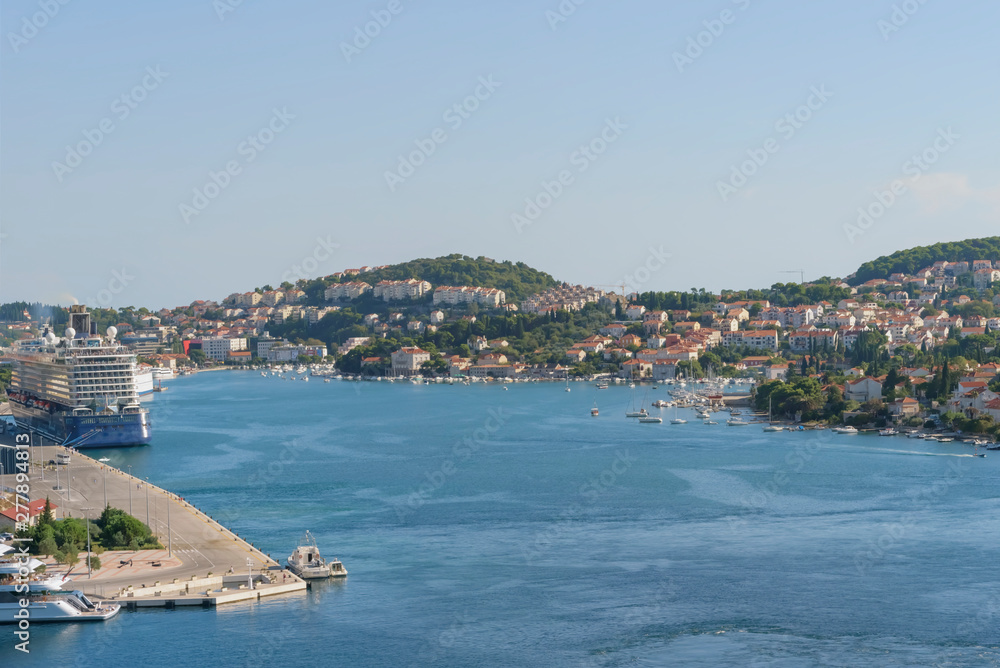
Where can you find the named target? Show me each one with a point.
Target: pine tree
(945, 384)
(46, 517)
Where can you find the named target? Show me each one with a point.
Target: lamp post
(87, 510)
(147, 500)
(250, 573)
(169, 537)
(129, 489)
(105, 460)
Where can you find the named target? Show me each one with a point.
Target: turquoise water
(484, 527)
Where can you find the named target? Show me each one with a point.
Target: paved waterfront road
(201, 544)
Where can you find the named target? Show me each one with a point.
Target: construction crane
(800, 272)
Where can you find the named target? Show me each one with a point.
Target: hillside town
(885, 341)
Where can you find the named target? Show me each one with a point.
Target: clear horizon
(203, 148)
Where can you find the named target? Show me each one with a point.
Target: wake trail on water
(911, 452)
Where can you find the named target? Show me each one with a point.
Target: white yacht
(45, 601)
(845, 430)
(307, 563)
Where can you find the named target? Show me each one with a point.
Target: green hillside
(518, 280)
(912, 259)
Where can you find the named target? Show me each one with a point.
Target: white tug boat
(307, 563)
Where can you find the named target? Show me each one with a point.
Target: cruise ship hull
(85, 431)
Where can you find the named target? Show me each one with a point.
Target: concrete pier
(202, 563)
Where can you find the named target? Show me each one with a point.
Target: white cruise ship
(79, 390)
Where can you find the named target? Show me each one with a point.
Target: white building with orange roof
(407, 360)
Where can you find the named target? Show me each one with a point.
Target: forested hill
(913, 259)
(518, 280)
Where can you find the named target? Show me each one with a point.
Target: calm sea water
(484, 527)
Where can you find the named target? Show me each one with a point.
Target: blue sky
(203, 81)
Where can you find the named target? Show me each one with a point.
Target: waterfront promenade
(209, 561)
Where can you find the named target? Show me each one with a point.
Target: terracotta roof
(34, 508)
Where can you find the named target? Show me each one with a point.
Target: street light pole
(41, 452)
(147, 500)
(87, 510)
(129, 489)
(169, 537)
(104, 461)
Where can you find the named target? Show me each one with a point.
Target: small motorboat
(650, 420)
